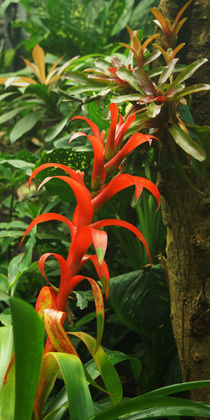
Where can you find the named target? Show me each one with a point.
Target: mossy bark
(187, 217)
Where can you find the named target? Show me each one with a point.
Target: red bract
(109, 156)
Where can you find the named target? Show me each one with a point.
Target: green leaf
(128, 76)
(104, 365)
(132, 295)
(124, 17)
(25, 124)
(114, 357)
(152, 407)
(189, 145)
(56, 130)
(6, 349)
(188, 72)
(153, 110)
(28, 342)
(7, 395)
(80, 402)
(200, 87)
(9, 115)
(127, 98)
(19, 164)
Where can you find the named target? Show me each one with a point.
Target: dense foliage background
(35, 127)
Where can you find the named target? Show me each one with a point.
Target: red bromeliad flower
(108, 156)
(52, 302)
(84, 232)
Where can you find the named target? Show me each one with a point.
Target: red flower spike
(77, 176)
(134, 141)
(45, 218)
(102, 271)
(99, 304)
(46, 300)
(84, 210)
(127, 225)
(121, 181)
(53, 322)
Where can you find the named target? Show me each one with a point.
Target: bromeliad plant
(156, 94)
(29, 390)
(35, 99)
(52, 302)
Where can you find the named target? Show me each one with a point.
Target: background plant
(95, 106)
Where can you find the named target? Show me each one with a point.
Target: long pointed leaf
(28, 342)
(107, 370)
(189, 145)
(80, 401)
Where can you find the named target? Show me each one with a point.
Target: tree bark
(187, 218)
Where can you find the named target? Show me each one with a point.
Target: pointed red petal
(98, 173)
(102, 271)
(64, 270)
(84, 211)
(78, 176)
(121, 181)
(129, 226)
(53, 321)
(93, 126)
(46, 300)
(134, 141)
(99, 304)
(45, 218)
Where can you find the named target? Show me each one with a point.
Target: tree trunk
(187, 217)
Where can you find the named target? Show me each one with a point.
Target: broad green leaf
(188, 72)
(140, 292)
(191, 89)
(6, 349)
(25, 124)
(4, 284)
(114, 357)
(127, 98)
(144, 81)
(180, 387)
(5, 4)
(38, 90)
(9, 115)
(7, 395)
(154, 407)
(5, 95)
(56, 130)
(14, 225)
(128, 76)
(104, 365)
(153, 110)
(167, 72)
(57, 413)
(19, 164)
(4, 296)
(124, 17)
(28, 342)
(14, 268)
(80, 402)
(11, 234)
(189, 145)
